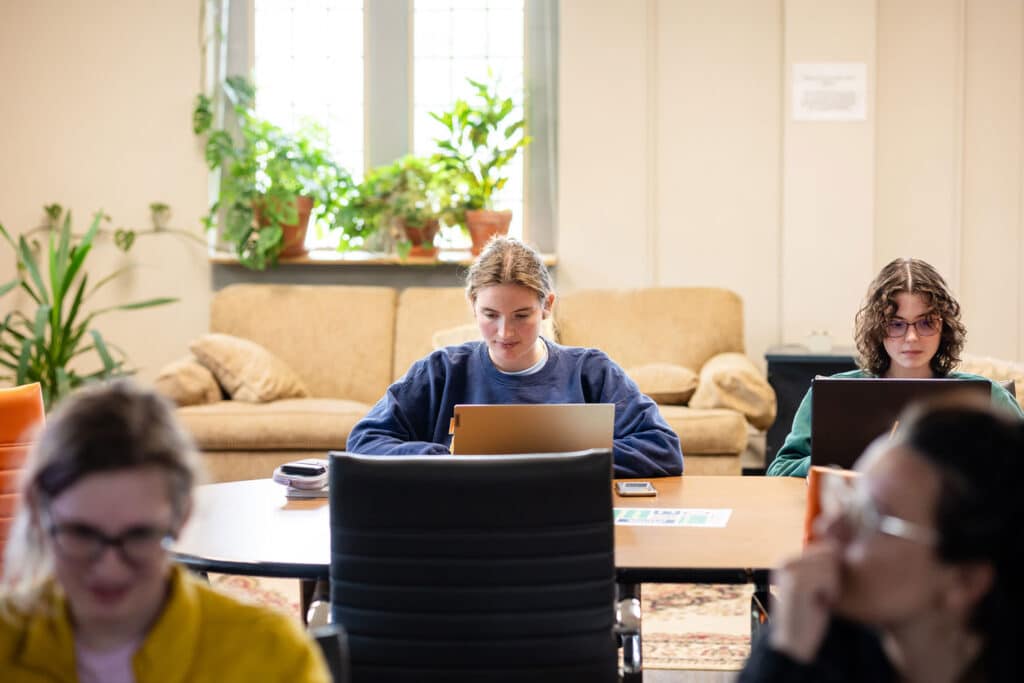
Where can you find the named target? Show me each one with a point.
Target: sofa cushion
(246, 370)
(665, 383)
(338, 339)
(289, 424)
(712, 431)
(730, 380)
(681, 325)
(422, 311)
(187, 382)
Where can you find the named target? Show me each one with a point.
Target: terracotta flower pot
(422, 237)
(483, 224)
(293, 239)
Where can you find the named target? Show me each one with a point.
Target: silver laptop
(847, 413)
(532, 428)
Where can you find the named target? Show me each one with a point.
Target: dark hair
(912, 276)
(506, 260)
(978, 453)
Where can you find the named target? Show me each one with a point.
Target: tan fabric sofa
(347, 344)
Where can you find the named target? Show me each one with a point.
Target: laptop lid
(532, 428)
(847, 413)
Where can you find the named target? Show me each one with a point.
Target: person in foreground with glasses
(89, 592)
(914, 573)
(908, 327)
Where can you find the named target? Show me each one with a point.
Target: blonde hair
(506, 260)
(103, 428)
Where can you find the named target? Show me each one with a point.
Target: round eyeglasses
(137, 546)
(845, 499)
(924, 327)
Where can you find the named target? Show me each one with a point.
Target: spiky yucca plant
(40, 346)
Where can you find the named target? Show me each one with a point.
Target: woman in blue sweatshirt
(510, 291)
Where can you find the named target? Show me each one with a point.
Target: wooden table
(250, 527)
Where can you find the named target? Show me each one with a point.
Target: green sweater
(794, 458)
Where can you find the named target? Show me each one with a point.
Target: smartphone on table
(302, 474)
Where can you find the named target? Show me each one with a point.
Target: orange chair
(21, 411)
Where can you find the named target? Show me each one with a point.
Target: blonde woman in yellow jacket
(89, 592)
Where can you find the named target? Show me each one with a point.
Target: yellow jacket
(201, 636)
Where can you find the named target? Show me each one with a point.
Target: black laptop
(847, 413)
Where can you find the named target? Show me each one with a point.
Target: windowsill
(330, 257)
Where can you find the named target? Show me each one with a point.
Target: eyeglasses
(925, 327)
(137, 546)
(844, 499)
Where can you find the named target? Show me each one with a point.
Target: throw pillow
(246, 370)
(665, 383)
(188, 383)
(453, 336)
(998, 370)
(730, 380)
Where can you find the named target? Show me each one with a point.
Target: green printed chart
(700, 517)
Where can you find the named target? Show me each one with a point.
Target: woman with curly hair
(908, 327)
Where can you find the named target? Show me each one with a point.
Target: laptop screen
(848, 413)
(532, 428)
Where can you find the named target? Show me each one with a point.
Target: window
(372, 71)
(453, 41)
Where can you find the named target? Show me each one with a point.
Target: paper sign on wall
(830, 91)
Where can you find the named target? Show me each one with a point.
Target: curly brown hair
(913, 276)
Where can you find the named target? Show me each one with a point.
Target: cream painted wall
(676, 130)
(95, 102)
(679, 163)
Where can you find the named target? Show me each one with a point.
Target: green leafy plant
(412, 191)
(266, 169)
(42, 346)
(480, 144)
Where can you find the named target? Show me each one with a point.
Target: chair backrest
(21, 410)
(491, 568)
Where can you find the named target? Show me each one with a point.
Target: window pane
(456, 39)
(309, 64)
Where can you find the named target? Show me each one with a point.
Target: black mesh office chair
(487, 568)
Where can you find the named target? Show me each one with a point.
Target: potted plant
(480, 144)
(272, 182)
(409, 198)
(49, 345)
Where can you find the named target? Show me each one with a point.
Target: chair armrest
(333, 642)
(627, 628)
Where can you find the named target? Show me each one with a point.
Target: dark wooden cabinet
(790, 370)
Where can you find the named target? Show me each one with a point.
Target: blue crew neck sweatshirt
(414, 414)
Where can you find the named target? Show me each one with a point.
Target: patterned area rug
(685, 626)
